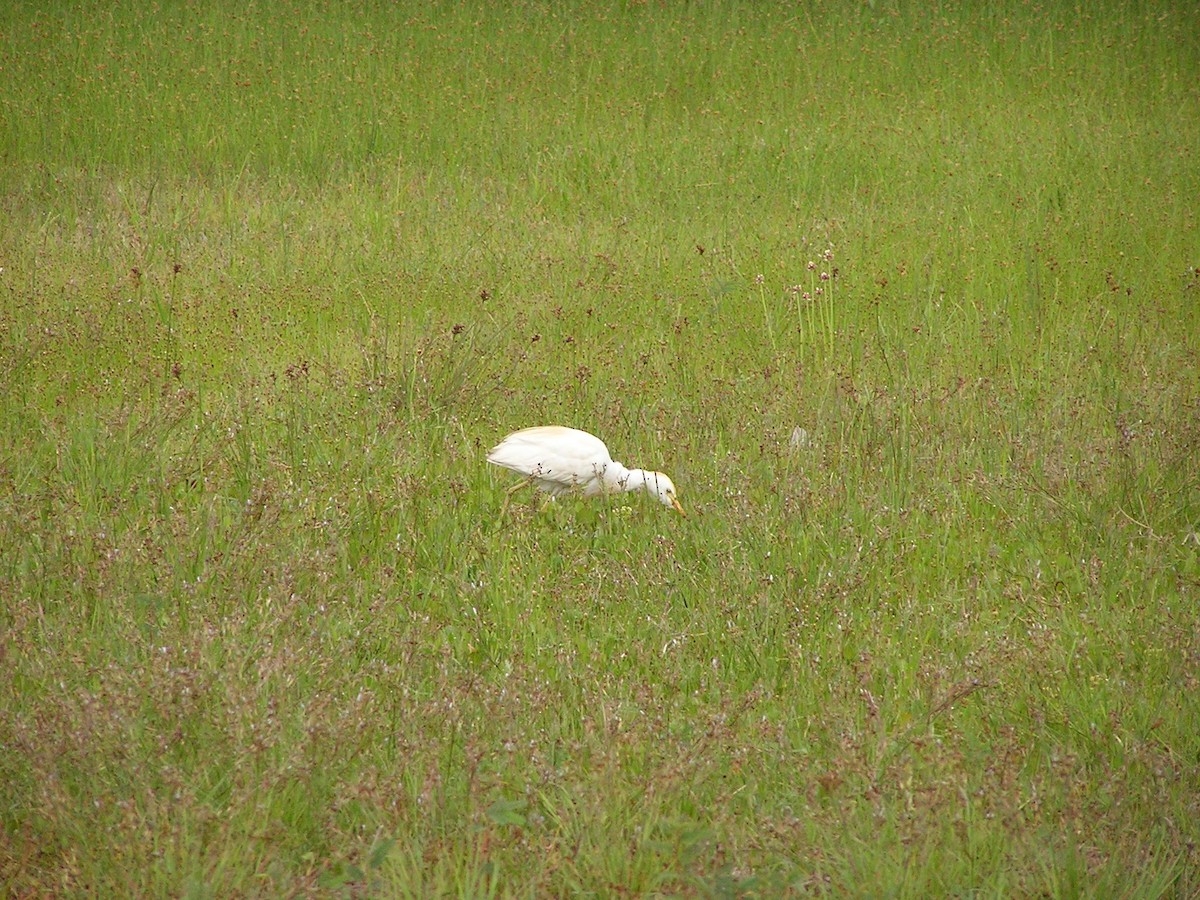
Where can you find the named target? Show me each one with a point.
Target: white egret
(561, 460)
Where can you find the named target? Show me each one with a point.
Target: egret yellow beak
(678, 508)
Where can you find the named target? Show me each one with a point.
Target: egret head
(660, 486)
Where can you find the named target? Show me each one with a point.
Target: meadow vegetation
(905, 298)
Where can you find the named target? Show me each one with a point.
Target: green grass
(273, 282)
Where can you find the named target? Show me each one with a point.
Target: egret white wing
(558, 459)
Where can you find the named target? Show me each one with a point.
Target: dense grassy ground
(274, 281)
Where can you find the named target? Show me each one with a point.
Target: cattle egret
(561, 460)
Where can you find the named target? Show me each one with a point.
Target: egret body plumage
(561, 460)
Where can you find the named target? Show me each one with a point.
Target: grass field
(905, 298)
